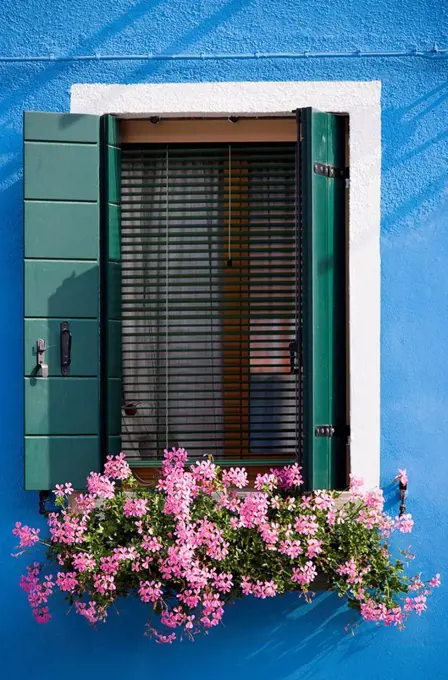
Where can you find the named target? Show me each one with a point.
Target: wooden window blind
(210, 301)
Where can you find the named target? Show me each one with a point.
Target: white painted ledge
(361, 100)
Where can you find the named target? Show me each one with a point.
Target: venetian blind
(210, 300)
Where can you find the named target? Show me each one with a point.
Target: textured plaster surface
(362, 103)
(282, 639)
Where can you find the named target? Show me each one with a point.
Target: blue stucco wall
(281, 639)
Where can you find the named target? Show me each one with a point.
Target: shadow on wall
(295, 636)
(402, 157)
(38, 75)
(274, 639)
(33, 79)
(146, 70)
(280, 639)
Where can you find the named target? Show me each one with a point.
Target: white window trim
(361, 100)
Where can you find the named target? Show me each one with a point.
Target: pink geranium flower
(135, 507)
(404, 523)
(195, 541)
(435, 581)
(28, 536)
(402, 477)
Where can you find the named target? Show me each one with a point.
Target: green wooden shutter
(322, 209)
(63, 281)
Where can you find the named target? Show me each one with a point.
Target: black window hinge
(331, 431)
(324, 431)
(331, 171)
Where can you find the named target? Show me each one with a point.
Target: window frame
(361, 101)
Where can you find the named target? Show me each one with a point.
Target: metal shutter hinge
(330, 171)
(324, 431)
(332, 431)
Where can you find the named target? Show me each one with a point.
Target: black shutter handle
(66, 348)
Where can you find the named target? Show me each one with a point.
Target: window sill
(147, 472)
(147, 476)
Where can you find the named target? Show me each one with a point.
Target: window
(210, 301)
(220, 322)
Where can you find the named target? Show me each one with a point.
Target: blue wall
(281, 639)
